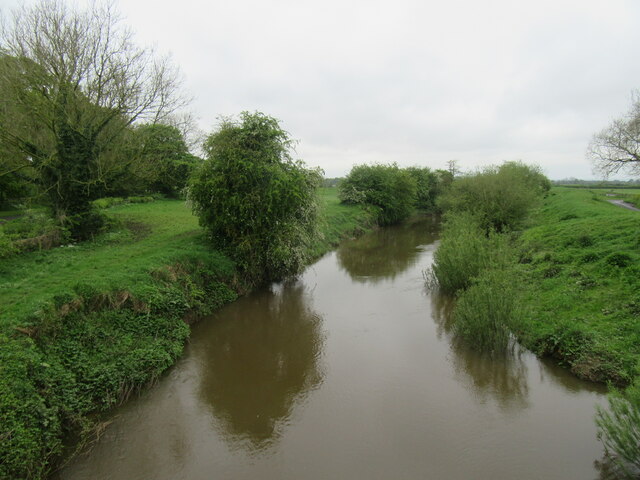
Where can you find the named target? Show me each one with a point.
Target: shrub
(30, 424)
(145, 199)
(619, 428)
(31, 224)
(6, 246)
(108, 202)
(391, 190)
(501, 197)
(258, 205)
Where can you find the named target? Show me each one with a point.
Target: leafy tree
(163, 156)
(72, 82)
(501, 197)
(258, 205)
(617, 147)
(426, 187)
(391, 190)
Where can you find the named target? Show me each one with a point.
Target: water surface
(351, 372)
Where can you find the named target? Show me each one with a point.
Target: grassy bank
(580, 271)
(84, 326)
(570, 273)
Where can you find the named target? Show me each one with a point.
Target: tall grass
(619, 429)
(487, 311)
(465, 251)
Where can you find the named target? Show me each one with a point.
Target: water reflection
(261, 358)
(384, 254)
(501, 378)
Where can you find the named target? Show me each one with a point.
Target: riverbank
(579, 270)
(84, 326)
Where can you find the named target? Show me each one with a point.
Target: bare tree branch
(617, 147)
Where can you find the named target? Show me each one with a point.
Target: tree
(391, 190)
(258, 205)
(617, 147)
(163, 155)
(452, 167)
(72, 83)
(426, 187)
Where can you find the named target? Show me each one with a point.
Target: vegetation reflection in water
(501, 377)
(386, 253)
(261, 360)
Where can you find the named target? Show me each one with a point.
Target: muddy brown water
(351, 372)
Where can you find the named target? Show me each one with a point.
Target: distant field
(624, 191)
(603, 187)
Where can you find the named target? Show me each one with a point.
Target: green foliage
(32, 230)
(487, 311)
(391, 190)
(619, 428)
(6, 246)
(14, 187)
(257, 204)
(162, 160)
(30, 427)
(108, 202)
(31, 224)
(427, 187)
(501, 197)
(465, 251)
(72, 83)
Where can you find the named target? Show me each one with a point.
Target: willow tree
(71, 82)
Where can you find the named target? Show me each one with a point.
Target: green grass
(153, 234)
(83, 326)
(580, 266)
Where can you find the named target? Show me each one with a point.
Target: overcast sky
(412, 82)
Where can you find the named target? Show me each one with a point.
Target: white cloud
(407, 80)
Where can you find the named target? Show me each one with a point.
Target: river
(350, 372)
